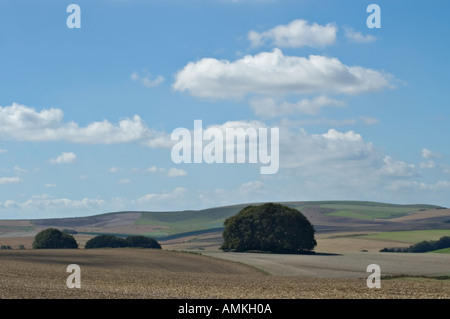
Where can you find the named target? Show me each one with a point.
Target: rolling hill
(326, 216)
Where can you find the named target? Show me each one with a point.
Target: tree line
(423, 246)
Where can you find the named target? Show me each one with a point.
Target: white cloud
(268, 107)
(269, 73)
(319, 121)
(154, 169)
(251, 188)
(429, 165)
(177, 193)
(9, 180)
(114, 169)
(297, 33)
(64, 158)
(176, 172)
(358, 37)
(23, 123)
(334, 158)
(2, 151)
(369, 120)
(49, 185)
(421, 186)
(145, 80)
(159, 140)
(19, 170)
(397, 168)
(426, 153)
(45, 202)
(124, 181)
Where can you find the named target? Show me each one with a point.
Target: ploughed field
(145, 273)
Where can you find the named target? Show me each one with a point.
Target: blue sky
(86, 114)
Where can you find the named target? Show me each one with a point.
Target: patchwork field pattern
(349, 237)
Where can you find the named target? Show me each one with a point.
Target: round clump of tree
(111, 241)
(142, 242)
(105, 241)
(269, 227)
(53, 238)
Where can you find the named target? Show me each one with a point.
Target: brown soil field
(342, 242)
(139, 273)
(437, 213)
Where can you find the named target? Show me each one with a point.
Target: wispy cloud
(426, 153)
(154, 169)
(145, 79)
(296, 34)
(358, 37)
(10, 180)
(114, 169)
(268, 107)
(64, 158)
(176, 172)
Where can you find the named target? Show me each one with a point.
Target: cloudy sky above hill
(86, 114)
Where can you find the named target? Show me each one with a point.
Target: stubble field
(138, 273)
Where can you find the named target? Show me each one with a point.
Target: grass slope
(413, 236)
(441, 251)
(372, 210)
(180, 222)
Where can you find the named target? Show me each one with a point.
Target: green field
(441, 251)
(371, 210)
(411, 236)
(186, 221)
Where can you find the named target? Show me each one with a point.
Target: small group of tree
(111, 241)
(52, 238)
(269, 227)
(423, 246)
(9, 247)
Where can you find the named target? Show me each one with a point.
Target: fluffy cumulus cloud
(64, 158)
(22, 123)
(296, 34)
(275, 73)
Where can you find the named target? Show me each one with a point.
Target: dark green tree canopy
(269, 227)
(111, 241)
(143, 242)
(53, 238)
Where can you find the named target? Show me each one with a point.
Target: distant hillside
(326, 216)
